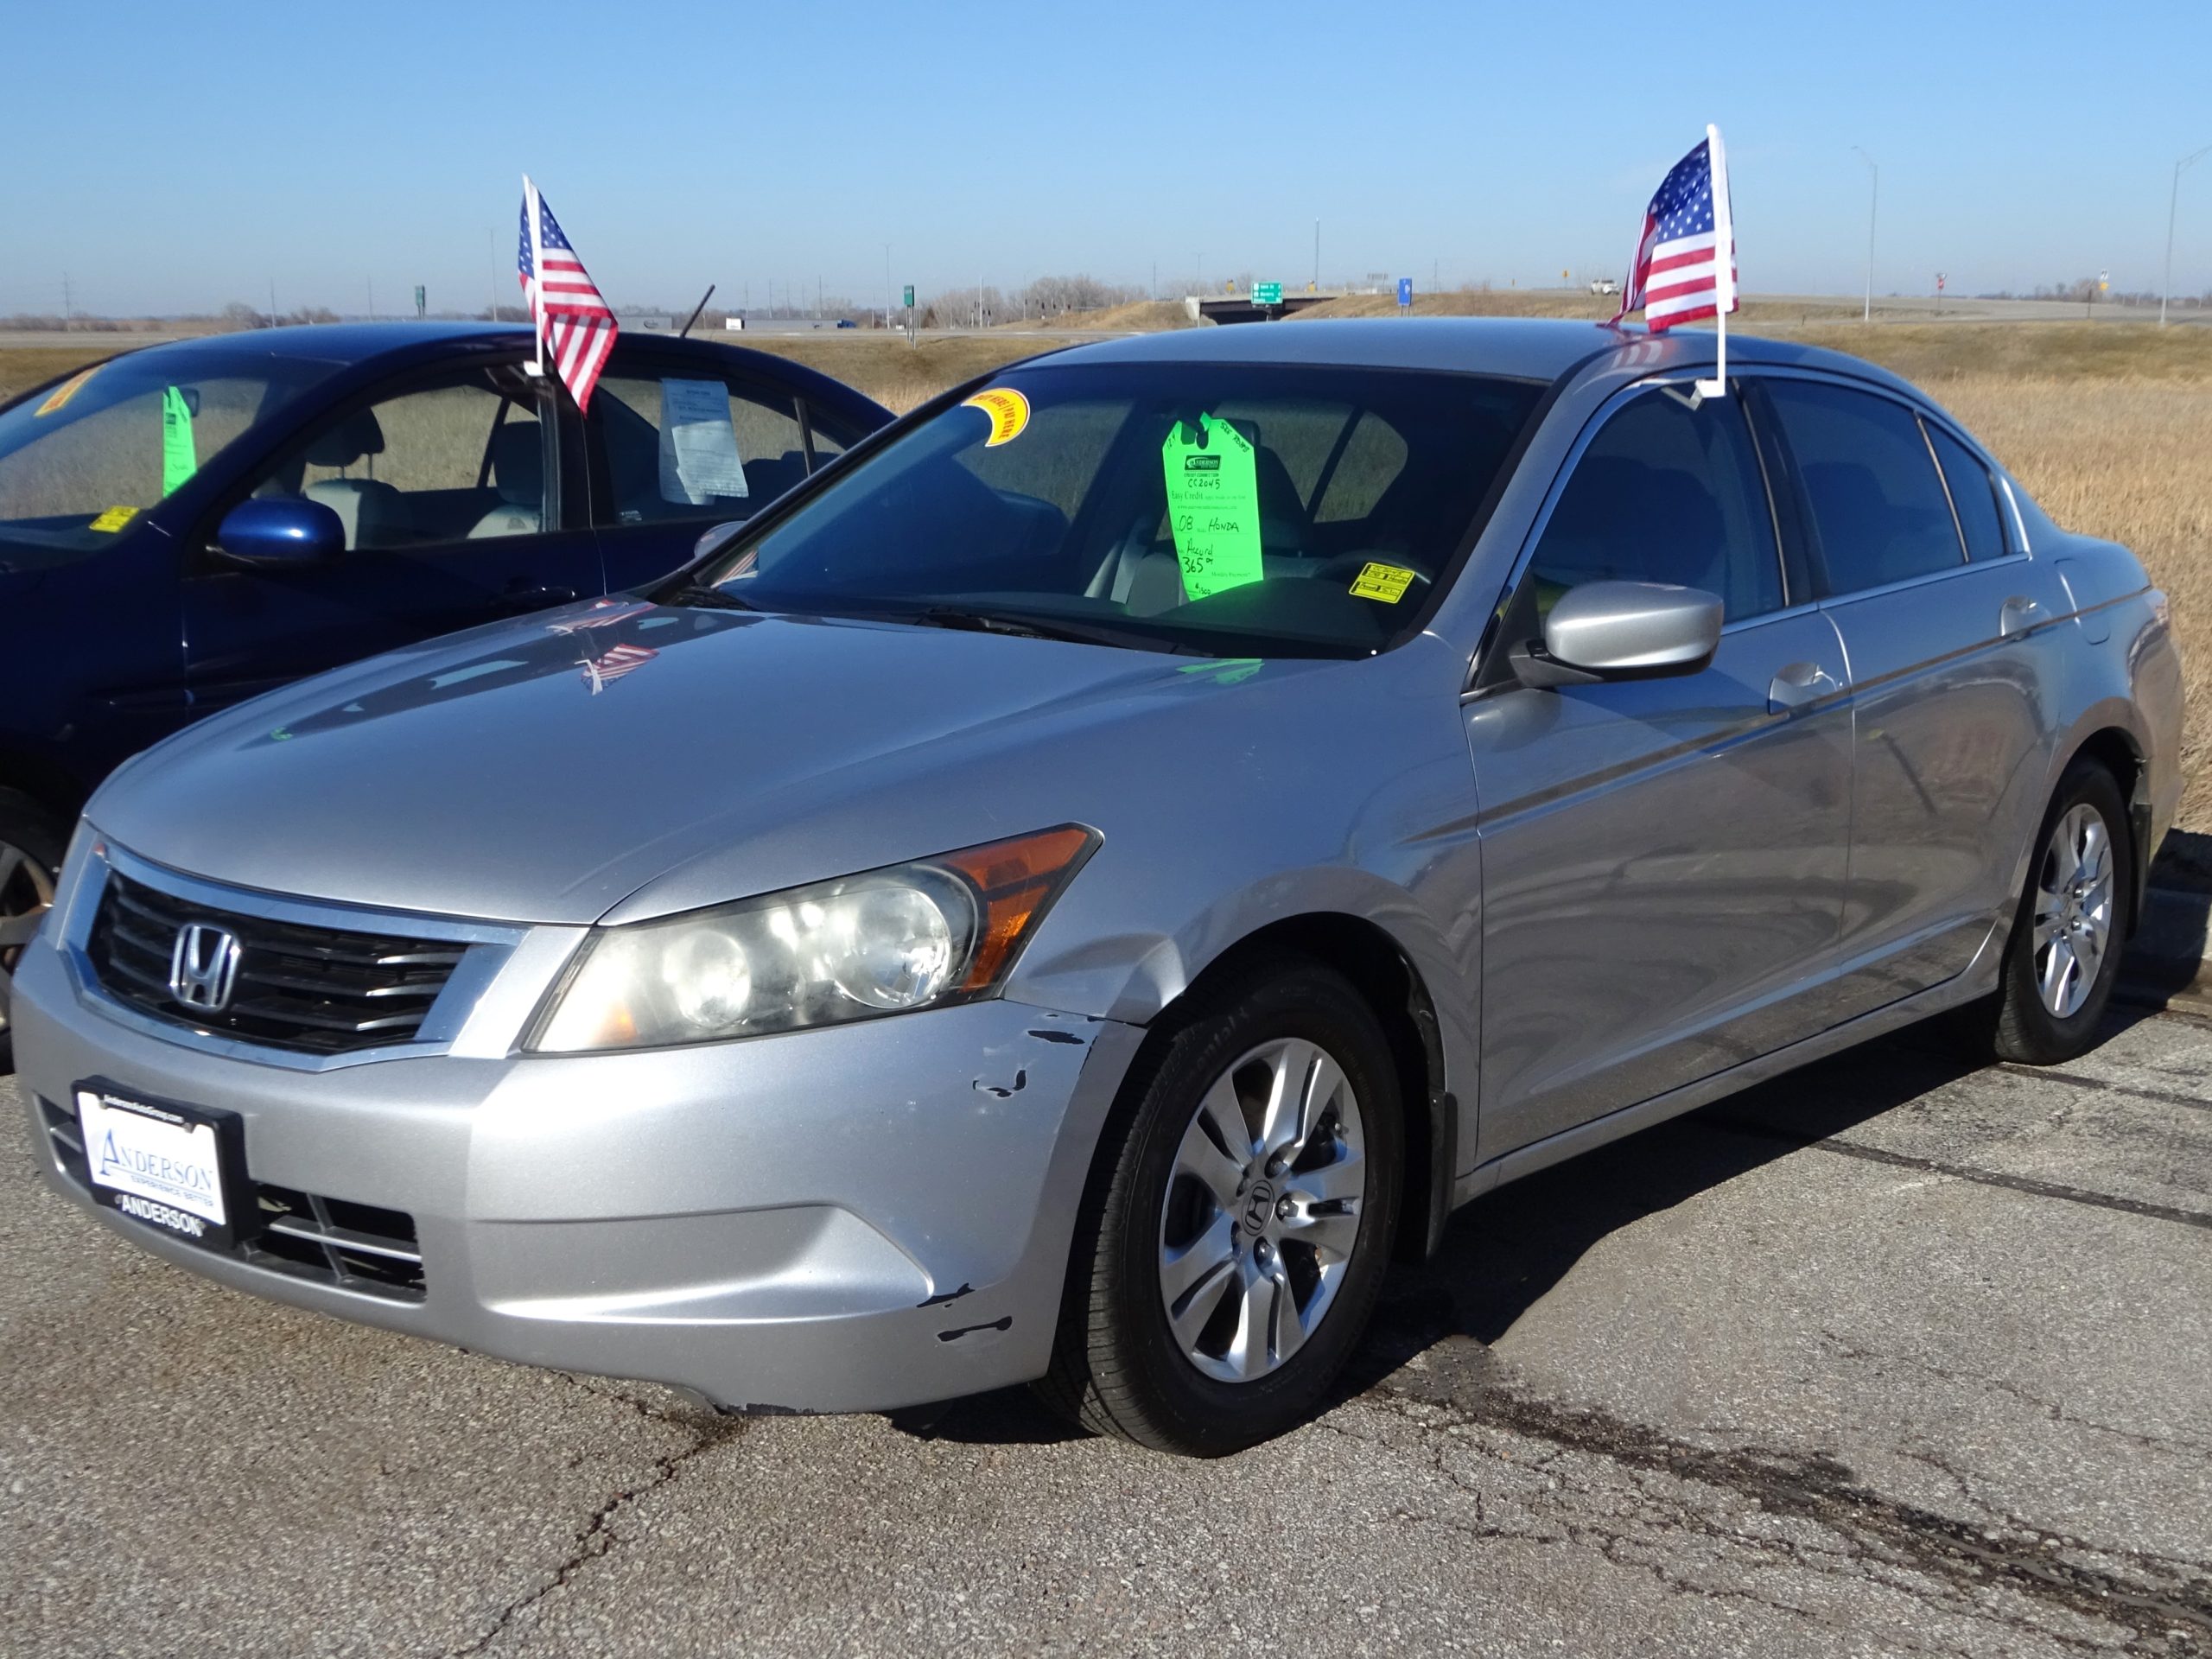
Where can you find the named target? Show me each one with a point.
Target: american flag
(1676, 276)
(612, 664)
(573, 318)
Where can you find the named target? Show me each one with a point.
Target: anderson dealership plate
(168, 1167)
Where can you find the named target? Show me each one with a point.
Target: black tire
(1117, 1368)
(2017, 1023)
(28, 828)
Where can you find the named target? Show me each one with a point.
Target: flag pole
(536, 273)
(1724, 261)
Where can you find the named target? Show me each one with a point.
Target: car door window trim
(1481, 675)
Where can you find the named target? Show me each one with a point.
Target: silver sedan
(1074, 891)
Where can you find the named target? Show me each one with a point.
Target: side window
(831, 436)
(1666, 493)
(458, 461)
(1880, 512)
(684, 445)
(1974, 495)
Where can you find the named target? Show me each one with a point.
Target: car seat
(372, 513)
(519, 474)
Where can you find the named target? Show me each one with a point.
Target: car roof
(1541, 348)
(351, 345)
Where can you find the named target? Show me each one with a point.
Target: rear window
(1229, 509)
(82, 458)
(1879, 510)
(1973, 494)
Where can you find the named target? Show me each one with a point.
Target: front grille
(356, 1246)
(314, 990)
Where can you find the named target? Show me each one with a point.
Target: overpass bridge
(1239, 308)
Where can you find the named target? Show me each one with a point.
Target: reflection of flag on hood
(604, 613)
(614, 664)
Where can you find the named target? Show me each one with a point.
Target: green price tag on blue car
(179, 461)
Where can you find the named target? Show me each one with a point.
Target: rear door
(680, 444)
(1663, 859)
(461, 503)
(1951, 742)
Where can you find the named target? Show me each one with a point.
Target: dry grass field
(2109, 425)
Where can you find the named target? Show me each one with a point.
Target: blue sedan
(188, 525)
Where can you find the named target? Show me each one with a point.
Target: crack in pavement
(2026, 1184)
(2055, 1409)
(2177, 1616)
(2164, 1097)
(597, 1538)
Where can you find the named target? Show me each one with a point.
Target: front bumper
(853, 1218)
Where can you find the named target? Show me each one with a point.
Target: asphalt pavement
(1893, 1355)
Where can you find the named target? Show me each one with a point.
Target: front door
(451, 495)
(1663, 859)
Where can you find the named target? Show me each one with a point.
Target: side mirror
(281, 530)
(1623, 631)
(716, 537)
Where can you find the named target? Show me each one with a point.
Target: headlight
(914, 935)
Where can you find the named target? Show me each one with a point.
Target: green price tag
(1213, 506)
(179, 460)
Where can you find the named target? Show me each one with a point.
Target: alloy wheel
(2074, 909)
(26, 894)
(1262, 1211)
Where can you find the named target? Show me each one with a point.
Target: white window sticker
(699, 461)
(151, 1154)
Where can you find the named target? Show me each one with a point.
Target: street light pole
(2173, 202)
(886, 287)
(1873, 201)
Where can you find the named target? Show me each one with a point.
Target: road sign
(1939, 281)
(1405, 291)
(422, 300)
(910, 297)
(1267, 293)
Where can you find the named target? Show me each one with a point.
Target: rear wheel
(31, 856)
(2072, 926)
(1235, 1236)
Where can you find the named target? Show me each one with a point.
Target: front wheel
(30, 853)
(1233, 1239)
(2065, 948)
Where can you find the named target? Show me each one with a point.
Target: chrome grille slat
(307, 989)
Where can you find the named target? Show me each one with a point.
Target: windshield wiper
(1026, 626)
(707, 598)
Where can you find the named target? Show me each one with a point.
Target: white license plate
(160, 1165)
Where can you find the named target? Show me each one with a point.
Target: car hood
(546, 770)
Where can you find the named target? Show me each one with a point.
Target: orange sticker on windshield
(68, 388)
(114, 518)
(1009, 413)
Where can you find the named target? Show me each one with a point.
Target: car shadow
(1504, 1252)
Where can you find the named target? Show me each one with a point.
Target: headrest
(519, 463)
(355, 436)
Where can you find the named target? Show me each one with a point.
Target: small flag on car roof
(573, 319)
(1685, 264)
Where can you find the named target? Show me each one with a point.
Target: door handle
(2018, 616)
(1798, 685)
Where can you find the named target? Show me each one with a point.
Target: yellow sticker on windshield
(1009, 413)
(114, 518)
(1387, 582)
(68, 388)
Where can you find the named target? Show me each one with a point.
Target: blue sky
(171, 157)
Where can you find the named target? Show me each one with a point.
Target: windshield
(81, 459)
(1222, 510)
